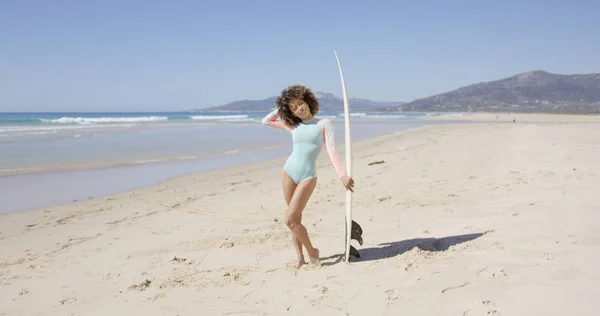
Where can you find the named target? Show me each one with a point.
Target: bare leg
(288, 191)
(294, 216)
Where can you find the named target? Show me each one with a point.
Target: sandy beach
(494, 218)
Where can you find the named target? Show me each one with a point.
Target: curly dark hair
(291, 93)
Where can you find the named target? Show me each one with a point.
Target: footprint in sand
(111, 276)
(381, 199)
(548, 256)
(23, 292)
(493, 273)
(321, 289)
(68, 300)
(392, 295)
(142, 286)
(157, 296)
(483, 308)
(319, 294)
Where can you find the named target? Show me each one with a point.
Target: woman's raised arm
(271, 120)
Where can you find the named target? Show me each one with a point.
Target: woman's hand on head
(348, 183)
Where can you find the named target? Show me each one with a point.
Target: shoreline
(472, 217)
(112, 170)
(124, 164)
(276, 164)
(149, 173)
(105, 181)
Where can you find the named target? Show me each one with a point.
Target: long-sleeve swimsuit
(308, 138)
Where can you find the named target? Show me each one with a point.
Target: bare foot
(314, 259)
(300, 262)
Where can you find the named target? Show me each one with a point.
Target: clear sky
(110, 55)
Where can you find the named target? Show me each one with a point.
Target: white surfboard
(352, 229)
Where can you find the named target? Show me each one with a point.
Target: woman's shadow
(396, 248)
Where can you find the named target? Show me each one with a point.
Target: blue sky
(176, 55)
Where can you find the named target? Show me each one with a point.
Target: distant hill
(534, 91)
(328, 103)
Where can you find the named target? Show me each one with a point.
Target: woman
(296, 107)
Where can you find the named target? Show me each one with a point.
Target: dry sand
(519, 118)
(462, 219)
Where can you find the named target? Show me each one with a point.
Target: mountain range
(533, 91)
(327, 103)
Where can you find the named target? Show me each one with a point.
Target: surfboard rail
(352, 228)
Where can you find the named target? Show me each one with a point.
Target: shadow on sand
(396, 248)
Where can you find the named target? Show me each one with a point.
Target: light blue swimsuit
(308, 138)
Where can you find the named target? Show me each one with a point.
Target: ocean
(54, 158)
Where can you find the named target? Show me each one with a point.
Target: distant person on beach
(296, 107)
